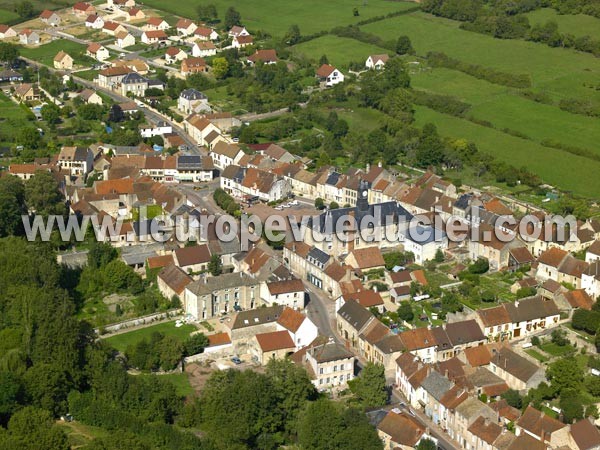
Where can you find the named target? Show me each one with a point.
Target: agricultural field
(577, 25)
(275, 18)
(548, 67)
(46, 53)
(7, 15)
(340, 51)
(122, 341)
(568, 171)
(504, 108)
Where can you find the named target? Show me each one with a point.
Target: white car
(278, 208)
(294, 203)
(286, 205)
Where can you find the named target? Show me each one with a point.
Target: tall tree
(293, 35)
(215, 266)
(12, 206)
(8, 52)
(232, 18)
(404, 45)
(369, 386)
(42, 194)
(25, 9)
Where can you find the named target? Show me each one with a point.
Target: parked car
(236, 360)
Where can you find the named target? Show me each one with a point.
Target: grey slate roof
(192, 94)
(355, 314)
(253, 317)
(224, 281)
(329, 352)
(436, 385)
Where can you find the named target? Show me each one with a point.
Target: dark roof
(531, 308)
(255, 317)
(379, 212)
(132, 78)
(192, 94)
(514, 364)
(189, 162)
(329, 352)
(464, 332)
(354, 314)
(318, 255)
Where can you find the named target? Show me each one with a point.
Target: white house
(160, 129)
(113, 28)
(94, 21)
(206, 34)
(78, 160)
(156, 23)
(329, 75)
(50, 18)
(242, 41)
(174, 54)
(7, 32)
(97, 51)
(124, 39)
(376, 61)
(286, 292)
(185, 27)
(332, 365)
(424, 242)
(225, 154)
(29, 37)
(302, 330)
(191, 100)
(237, 31)
(204, 49)
(154, 36)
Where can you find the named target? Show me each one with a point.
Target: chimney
(446, 373)
(486, 422)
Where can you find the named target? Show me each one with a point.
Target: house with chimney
(203, 33)
(518, 372)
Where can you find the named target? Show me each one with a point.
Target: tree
(25, 9)
(319, 203)
(33, 429)
(430, 149)
(207, 12)
(571, 405)
(565, 373)
(220, 67)
(42, 194)
(334, 205)
(215, 267)
(405, 311)
(29, 137)
(369, 386)
(426, 444)
(323, 60)
(404, 45)
(355, 12)
(559, 337)
(12, 394)
(439, 256)
(8, 52)
(12, 206)
(232, 18)
(195, 344)
(50, 113)
(293, 35)
(100, 254)
(116, 114)
(513, 398)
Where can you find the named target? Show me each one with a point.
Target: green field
(570, 172)
(7, 15)
(339, 50)
(505, 109)
(122, 341)
(46, 53)
(276, 17)
(559, 72)
(577, 25)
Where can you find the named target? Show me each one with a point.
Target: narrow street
(320, 310)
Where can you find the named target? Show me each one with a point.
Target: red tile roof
(276, 340)
(291, 320)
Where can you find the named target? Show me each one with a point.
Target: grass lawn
(570, 172)
(277, 17)
(12, 118)
(577, 25)
(180, 380)
(537, 355)
(122, 341)
(556, 350)
(559, 72)
(46, 53)
(340, 51)
(151, 212)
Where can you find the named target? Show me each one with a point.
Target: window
(320, 371)
(335, 368)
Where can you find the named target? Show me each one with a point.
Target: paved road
(320, 310)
